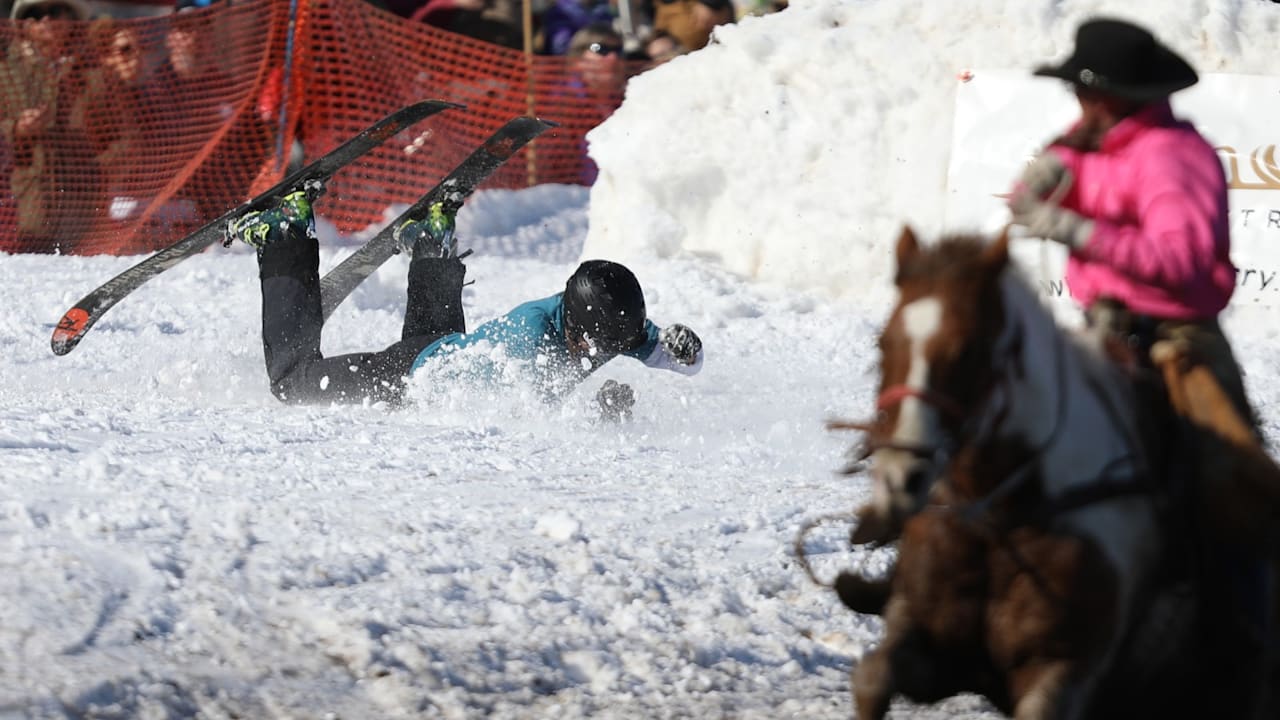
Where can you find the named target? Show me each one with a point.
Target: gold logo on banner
(1263, 162)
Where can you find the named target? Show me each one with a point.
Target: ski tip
(69, 330)
(446, 104)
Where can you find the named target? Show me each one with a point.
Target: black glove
(681, 343)
(615, 400)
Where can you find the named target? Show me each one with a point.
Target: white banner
(1003, 117)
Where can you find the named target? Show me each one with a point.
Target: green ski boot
(261, 228)
(432, 237)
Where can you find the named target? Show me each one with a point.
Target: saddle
(1209, 443)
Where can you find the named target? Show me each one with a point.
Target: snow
(820, 130)
(174, 542)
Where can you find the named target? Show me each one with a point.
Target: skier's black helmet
(604, 303)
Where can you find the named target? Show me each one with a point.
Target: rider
(1139, 199)
(559, 340)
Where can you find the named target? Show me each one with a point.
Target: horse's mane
(955, 257)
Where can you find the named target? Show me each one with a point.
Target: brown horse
(1014, 463)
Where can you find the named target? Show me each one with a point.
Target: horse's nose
(918, 478)
(902, 477)
(899, 481)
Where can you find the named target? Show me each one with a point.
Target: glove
(1043, 175)
(681, 343)
(615, 400)
(1051, 222)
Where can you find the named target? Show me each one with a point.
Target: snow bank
(793, 149)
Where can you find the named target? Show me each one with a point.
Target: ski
(338, 283)
(76, 322)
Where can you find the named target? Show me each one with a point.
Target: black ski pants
(292, 321)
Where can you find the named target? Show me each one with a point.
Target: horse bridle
(946, 405)
(895, 395)
(976, 425)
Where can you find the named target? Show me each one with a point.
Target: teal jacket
(533, 333)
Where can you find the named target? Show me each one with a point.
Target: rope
(798, 545)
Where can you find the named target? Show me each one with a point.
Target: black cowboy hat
(1117, 58)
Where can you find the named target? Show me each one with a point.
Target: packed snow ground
(174, 542)
(172, 538)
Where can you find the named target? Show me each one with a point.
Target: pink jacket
(1157, 194)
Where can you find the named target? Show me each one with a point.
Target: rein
(980, 514)
(802, 555)
(1099, 489)
(896, 394)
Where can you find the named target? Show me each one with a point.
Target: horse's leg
(861, 595)
(873, 680)
(875, 524)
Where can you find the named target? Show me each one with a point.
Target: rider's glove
(1044, 174)
(1051, 222)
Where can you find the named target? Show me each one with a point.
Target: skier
(559, 340)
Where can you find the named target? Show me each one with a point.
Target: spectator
(109, 112)
(691, 21)
(181, 5)
(403, 8)
(52, 180)
(597, 80)
(596, 55)
(494, 21)
(564, 18)
(194, 97)
(661, 47)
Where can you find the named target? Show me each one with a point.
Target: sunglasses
(53, 12)
(596, 48)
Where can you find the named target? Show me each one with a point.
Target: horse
(1017, 467)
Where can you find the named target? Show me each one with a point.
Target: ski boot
(261, 228)
(432, 237)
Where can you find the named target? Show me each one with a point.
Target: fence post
(286, 81)
(531, 152)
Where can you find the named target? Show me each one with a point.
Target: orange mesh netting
(119, 136)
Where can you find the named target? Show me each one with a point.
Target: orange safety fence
(119, 136)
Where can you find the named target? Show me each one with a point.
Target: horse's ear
(996, 255)
(908, 248)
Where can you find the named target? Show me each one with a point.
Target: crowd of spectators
(80, 101)
(77, 102)
(53, 169)
(652, 31)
